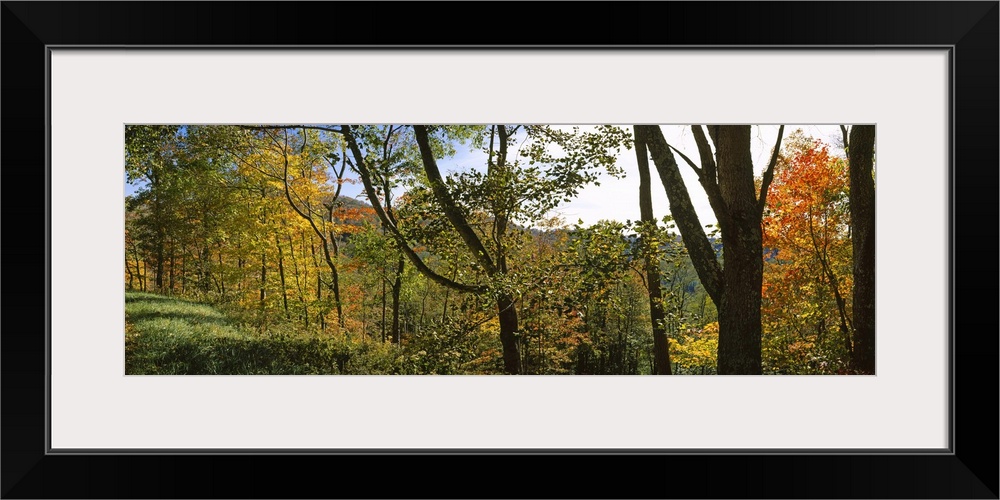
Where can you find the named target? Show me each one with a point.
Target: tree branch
(387, 222)
(699, 248)
(275, 127)
(688, 161)
(451, 210)
(769, 173)
(710, 180)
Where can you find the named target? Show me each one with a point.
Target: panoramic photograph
(499, 249)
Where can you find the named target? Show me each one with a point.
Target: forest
(442, 249)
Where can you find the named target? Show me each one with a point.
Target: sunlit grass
(170, 336)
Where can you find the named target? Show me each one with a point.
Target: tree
(808, 270)
(728, 179)
(148, 158)
(652, 261)
(479, 209)
(861, 157)
(610, 263)
(296, 164)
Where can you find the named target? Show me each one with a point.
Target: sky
(618, 199)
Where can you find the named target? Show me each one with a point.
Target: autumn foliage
(806, 306)
(243, 254)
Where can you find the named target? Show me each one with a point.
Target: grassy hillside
(172, 336)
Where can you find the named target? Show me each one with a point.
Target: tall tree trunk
(834, 284)
(222, 273)
(453, 213)
(281, 275)
(319, 287)
(729, 183)
(661, 351)
(742, 253)
(160, 237)
(383, 325)
(299, 278)
(204, 280)
(263, 278)
(861, 153)
(508, 335)
(170, 272)
(397, 287)
(335, 278)
(328, 240)
(131, 277)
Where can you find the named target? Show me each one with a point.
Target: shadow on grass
(171, 309)
(147, 297)
(198, 319)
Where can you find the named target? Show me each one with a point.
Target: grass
(173, 336)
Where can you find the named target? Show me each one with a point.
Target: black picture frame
(969, 28)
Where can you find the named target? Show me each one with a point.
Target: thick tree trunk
(661, 351)
(862, 199)
(736, 288)
(742, 253)
(508, 335)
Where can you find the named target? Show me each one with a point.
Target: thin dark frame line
(48, 250)
(948, 450)
(950, 250)
(493, 451)
(532, 47)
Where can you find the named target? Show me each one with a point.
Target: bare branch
(688, 161)
(769, 172)
(709, 180)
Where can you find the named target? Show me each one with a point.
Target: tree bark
(508, 334)
(701, 251)
(862, 200)
(736, 288)
(742, 253)
(505, 303)
(661, 348)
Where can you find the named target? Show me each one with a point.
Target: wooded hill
(243, 254)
